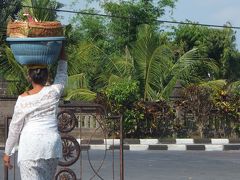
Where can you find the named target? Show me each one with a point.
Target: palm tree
(149, 61)
(155, 67)
(91, 70)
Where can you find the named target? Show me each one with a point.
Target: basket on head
(45, 29)
(20, 29)
(44, 50)
(17, 29)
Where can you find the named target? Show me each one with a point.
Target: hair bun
(37, 70)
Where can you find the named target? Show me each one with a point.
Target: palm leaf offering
(36, 19)
(36, 33)
(40, 10)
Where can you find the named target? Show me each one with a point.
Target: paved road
(161, 165)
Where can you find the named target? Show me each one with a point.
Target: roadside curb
(162, 144)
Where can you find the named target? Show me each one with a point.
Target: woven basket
(21, 29)
(45, 29)
(17, 29)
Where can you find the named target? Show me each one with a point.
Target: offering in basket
(35, 40)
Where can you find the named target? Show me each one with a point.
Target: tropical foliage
(9, 9)
(131, 64)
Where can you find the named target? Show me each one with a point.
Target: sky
(216, 12)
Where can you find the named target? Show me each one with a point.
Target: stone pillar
(6, 110)
(92, 121)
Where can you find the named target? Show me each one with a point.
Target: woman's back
(35, 122)
(41, 110)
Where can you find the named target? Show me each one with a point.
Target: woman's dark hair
(39, 76)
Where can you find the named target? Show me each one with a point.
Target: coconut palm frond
(114, 78)
(189, 63)
(128, 57)
(77, 81)
(186, 61)
(81, 94)
(120, 66)
(167, 90)
(13, 72)
(185, 70)
(77, 88)
(125, 67)
(234, 87)
(192, 60)
(10, 69)
(102, 79)
(161, 62)
(82, 58)
(110, 61)
(211, 66)
(106, 79)
(151, 61)
(156, 70)
(126, 63)
(151, 94)
(113, 65)
(215, 85)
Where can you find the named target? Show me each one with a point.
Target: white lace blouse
(34, 122)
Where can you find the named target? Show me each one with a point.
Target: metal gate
(83, 128)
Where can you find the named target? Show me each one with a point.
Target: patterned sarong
(42, 169)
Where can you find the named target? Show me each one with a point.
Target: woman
(34, 125)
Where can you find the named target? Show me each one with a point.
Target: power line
(125, 17)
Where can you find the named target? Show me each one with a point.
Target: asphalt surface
(155, 165)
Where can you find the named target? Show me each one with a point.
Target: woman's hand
(6, 161)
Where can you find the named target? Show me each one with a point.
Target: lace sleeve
(15, 128)
(61, 76)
